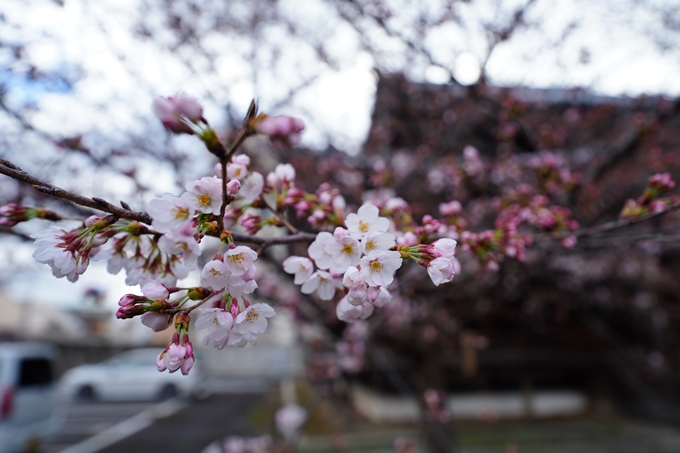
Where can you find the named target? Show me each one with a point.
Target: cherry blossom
(205, 195)
(323, 283)
(178, 243)
(171, 110)
(377, 241)
(240, 259)
(215, 274)
(366, 220)
(317, 250)
(218, 324)
(250, 323)
(282, 130)
(350, 313)
(442, 270)
(300, 266)
(177, 356)
(154, 290)
(156, 321)
(251, 189)
(344, 251)
(289, 419)
(379, 266)
(170, 213)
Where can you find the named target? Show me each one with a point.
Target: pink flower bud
(156, 321)
(233, 186)
(171, 110)
(126, 300)
(282, 130)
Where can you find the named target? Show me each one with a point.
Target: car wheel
(86, 393)
(168, 391)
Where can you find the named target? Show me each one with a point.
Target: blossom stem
(225, 199)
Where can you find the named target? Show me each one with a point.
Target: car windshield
(34, 372)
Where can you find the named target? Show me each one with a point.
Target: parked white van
(27, 395)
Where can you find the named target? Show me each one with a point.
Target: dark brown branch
(9, 169)
(290, 239)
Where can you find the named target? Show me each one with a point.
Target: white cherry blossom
(323, 283)
(251, 189)
(205, 195)
(215, 275)
(250, 323)
(177, 243)
(237, 170)
(170, 213)
(154, 290)
(48, 251)
(377, 241)
(317, 250)
(366, 220)
(157, 322)
(218, 324)
(379, 296)
(379, 266)
(242, 284)
(349, 313)
(299, 266)
(240, 259)
(344, 251)
(442, 270)
(446, 247)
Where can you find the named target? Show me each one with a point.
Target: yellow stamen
(238, 258)
(180, 213)
(348, 249)
(376, 265)
(204, 200)
(363, 227)
(252, 316)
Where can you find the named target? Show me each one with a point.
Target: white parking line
(127, 428)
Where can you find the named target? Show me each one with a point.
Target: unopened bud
(198, 293)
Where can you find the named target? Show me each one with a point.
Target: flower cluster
(68, 252)
(649, 202)
(362, 259)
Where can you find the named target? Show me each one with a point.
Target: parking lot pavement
(84, 420)
(175, 425)
(194, 427)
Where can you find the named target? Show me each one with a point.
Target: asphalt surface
(177, 425)
(194, 427)
(84, 420)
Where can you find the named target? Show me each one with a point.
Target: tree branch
(9, 169)
(267, 241)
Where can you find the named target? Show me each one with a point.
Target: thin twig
(604, 227)
(279, 216)
(240, 138)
